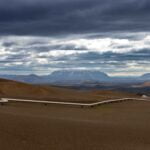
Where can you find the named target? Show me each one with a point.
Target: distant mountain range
(146, 76)
(75, 77)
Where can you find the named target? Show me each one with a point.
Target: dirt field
(120, 126)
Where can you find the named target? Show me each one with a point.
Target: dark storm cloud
(17, 57)
(47, 17)
(8, 44)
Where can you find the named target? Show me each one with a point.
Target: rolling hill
(13, 89)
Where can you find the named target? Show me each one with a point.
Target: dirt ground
(120, 126)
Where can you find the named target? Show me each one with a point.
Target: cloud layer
(40, 36)
(42, 55)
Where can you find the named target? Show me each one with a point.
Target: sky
(41, 36)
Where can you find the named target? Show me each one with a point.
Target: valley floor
(118, 126)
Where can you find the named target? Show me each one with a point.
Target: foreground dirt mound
(13, 89)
